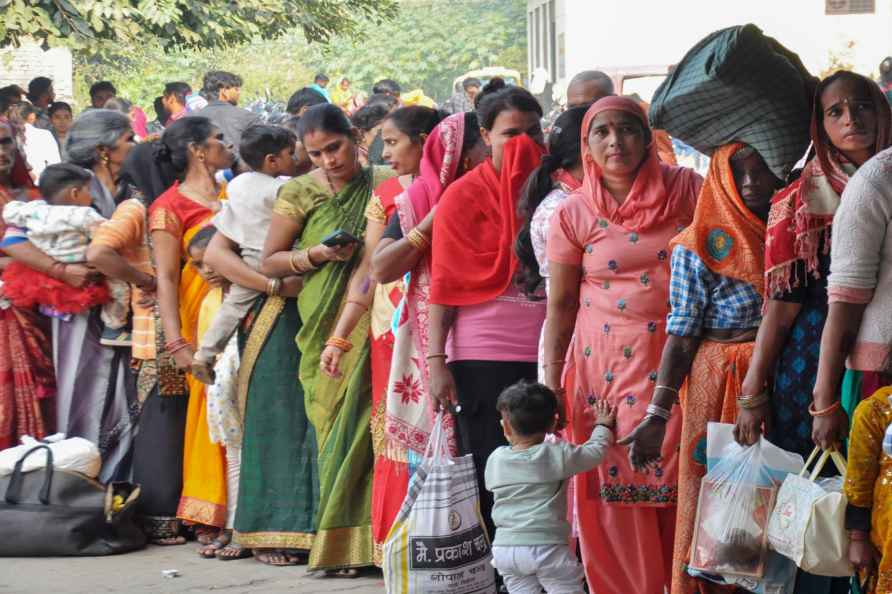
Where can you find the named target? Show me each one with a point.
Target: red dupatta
(476, 225)
(802, 213)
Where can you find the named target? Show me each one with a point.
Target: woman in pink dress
(608, 300)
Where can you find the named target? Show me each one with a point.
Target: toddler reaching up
(528, 480)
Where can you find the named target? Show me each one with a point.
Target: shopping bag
(808, 523)
(438, 544)
(737, 494)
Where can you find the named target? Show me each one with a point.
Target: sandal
(272, 557)
(232, 552)
(209, 551)
(205, 535)
(296, 556)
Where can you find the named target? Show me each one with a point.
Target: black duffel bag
(50, 512)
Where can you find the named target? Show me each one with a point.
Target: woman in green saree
(308, 209)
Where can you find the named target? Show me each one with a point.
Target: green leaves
(182, 23)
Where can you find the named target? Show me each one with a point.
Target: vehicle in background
(512, 77)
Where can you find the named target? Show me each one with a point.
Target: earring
(105, 159)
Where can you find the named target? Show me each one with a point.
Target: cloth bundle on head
(727, 237)
(802, 213)
(474, 231)
(737, 85)
(659, 191)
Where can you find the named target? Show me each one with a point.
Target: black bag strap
(14, 490)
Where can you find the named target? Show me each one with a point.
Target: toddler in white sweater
(528, 480)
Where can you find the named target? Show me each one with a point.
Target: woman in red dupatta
(472, 293)
(27, 378)
(608, 301)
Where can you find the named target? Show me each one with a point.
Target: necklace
(330, 183)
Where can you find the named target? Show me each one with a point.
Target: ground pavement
(140, 572)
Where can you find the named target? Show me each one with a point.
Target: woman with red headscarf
(491, 327)
(797, 267)
(608, 257)
(27, 379)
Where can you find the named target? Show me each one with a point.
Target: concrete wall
(20, 65)
(617, 33)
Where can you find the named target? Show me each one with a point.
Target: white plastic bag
(76, 454)
(736, 499)
(808, 523)
(438, 544)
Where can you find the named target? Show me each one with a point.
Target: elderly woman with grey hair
(96, 391)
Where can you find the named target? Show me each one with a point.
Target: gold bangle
(437, 356)
(339, 343)
(292, 263)
(273, 287)
(418, 239)
(823, 412)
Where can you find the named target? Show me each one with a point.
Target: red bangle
(858, 535)
(823, 412)
(177, 345)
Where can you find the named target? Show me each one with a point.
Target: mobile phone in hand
(340, 238)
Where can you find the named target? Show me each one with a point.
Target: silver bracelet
(658, 411)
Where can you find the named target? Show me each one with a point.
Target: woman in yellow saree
(308, 209)
(194, 149)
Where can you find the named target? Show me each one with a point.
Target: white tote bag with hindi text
(438, 544)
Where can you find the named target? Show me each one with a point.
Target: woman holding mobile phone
(308, 209)
(404, 132)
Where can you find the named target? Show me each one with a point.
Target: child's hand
(604, 413)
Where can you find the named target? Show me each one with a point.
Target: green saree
(278, 487)
(339, 409)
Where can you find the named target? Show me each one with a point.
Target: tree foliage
(430, 43)
(426, 45)
(183, 23)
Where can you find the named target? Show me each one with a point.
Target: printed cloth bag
(438, 544)
(808, 522)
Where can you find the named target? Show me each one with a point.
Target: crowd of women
(486, 255)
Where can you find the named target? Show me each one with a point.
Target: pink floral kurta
(618, 341)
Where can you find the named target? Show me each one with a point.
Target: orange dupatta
(725, 234)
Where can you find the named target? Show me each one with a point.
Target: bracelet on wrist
(339, 343)
(359, 303)
(748, 402)
(825, 411)
(437, 356)
(656, 410)
(418, 240)
(858, 535)
(273, 287)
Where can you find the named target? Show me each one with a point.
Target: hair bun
(496, 84)
(161, 151)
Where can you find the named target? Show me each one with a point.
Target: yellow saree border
(263, 325)
(342, 548)
(275, 540)
(197, 511)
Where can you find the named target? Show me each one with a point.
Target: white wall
(615, 33)
(19, 65)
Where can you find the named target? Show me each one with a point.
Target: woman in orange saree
(196, 150)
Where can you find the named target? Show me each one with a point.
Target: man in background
(320, 82)
(587, 87)
(222, 90)
(463, 99)
(174, 100)
(101, 92)
(41, 94)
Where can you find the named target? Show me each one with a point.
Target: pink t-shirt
(504, 329)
